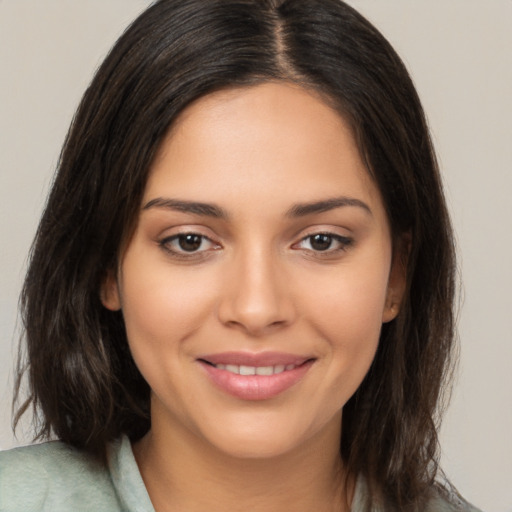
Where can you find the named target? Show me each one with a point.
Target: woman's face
(259, 273)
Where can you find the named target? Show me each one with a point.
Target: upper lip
(255, 359)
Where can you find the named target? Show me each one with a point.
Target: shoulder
(443, 497)
(53, 476)
(446, 499)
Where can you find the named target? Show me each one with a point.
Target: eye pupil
(190, 242)
(321, 242)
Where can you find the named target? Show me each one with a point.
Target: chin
(255, 447)
(264, 436)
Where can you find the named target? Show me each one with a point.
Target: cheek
(350, 324)
(347, 317)
(162, 304)
(163, 307)
(351, 301)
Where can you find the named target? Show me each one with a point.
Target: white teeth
(255, 370)
(247, 370)
(264, 370)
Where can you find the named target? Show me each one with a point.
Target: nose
(256, 296)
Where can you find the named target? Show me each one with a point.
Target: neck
(183, 472)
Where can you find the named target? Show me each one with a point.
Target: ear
(109, 292)
(397, 282)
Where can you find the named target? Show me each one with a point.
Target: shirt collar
(126, 477)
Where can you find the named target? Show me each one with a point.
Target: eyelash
(343, 242)
(166, 244)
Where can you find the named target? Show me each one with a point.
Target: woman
(240, 291)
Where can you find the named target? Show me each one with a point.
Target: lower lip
(256, 387)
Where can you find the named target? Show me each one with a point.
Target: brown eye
(190, 242)
(188, 245)
(320, 242)
(328, 243)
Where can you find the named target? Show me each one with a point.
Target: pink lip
(255, 387)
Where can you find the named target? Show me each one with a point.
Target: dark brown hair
(84, 385)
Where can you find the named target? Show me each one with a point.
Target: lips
(255, 376)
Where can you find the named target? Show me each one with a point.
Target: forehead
(268, 101)
(275, 139)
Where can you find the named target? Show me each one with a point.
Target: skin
(256, 283)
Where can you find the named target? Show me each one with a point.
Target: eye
(324, 242)
(184, 244)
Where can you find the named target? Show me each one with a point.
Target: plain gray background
(459, 53)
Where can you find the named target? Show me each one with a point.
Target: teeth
(264, 370)
(255, 370)
(247, 370)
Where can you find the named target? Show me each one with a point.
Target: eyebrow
(303, 209)
(212, 210)
(196, 208)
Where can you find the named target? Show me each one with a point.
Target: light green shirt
(54, 477)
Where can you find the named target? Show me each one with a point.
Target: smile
(255, 376)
